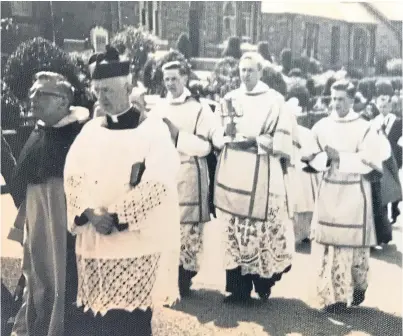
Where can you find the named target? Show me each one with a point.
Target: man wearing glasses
(37, 184)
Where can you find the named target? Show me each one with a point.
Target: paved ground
(290, 310)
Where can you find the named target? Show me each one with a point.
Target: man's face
(48, 103)
(112, 94)
(174, 82)
(341, 102)
(384, 104)
(249, 73)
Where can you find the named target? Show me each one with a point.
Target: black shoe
(335, 308)
(237, 298)
(264, 296)
(358, 297)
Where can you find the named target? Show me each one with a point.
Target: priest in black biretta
(111, 83)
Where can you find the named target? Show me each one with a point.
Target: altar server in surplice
(252, 194)
(349, 153)
(193, 127)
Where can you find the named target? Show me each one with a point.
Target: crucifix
(229, 111)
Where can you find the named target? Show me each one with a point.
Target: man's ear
(128, 87)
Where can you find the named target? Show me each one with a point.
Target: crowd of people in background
(124, 191)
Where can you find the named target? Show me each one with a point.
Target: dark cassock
(48, 262)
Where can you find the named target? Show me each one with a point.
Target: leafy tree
(37, 55)
(137, 43)
(225, 76)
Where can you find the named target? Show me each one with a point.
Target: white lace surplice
(135, 268)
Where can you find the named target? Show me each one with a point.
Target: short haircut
(254, 56)
(177, 65)
(60, 82)
(384, 87)
(344, 85)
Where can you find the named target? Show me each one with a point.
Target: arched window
(229, 19)
(360, 46)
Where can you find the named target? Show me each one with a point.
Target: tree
(183, 45)
(137, 43)
(37, 55)
(10, 34)
(225, 76)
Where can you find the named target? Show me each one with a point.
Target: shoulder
(153, 126)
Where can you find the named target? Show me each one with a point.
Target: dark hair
(233, 48)
(296, 72)
(301, 93)
(181, 66)
(344, 85)
(263, 49)
(384, 87)
(274, 79)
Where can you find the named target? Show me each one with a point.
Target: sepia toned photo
(201, 168)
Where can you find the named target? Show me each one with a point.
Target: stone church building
(335, 33)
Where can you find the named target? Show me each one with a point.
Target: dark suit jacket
(393, 137)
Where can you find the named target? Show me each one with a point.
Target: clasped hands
(103, 221)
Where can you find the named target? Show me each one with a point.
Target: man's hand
(172, 129)
(101, 219)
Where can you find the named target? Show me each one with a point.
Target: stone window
(311, 39)
(335, 45)
(229, 19)
(360, 46)
(21, 8)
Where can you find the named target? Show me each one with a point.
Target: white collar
(179, 100)
(259, 88)
(350, 116)
(115, 117)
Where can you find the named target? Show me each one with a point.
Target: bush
(138, 43)
(10, 35)
(183, 46)
(233, 48)
(225, 76)
(37, 55)
(394, 67)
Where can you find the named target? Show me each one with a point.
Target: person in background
(347, 153)
(391, 125)
(37, 186)
(298, 100)
(254, 206)
(122, 206)
(193, 126)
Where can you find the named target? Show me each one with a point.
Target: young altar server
(37, 186)
(120, 180)
(253, 174)
(193, 127)
(343, 224)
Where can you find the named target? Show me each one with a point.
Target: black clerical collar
(126, 120)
